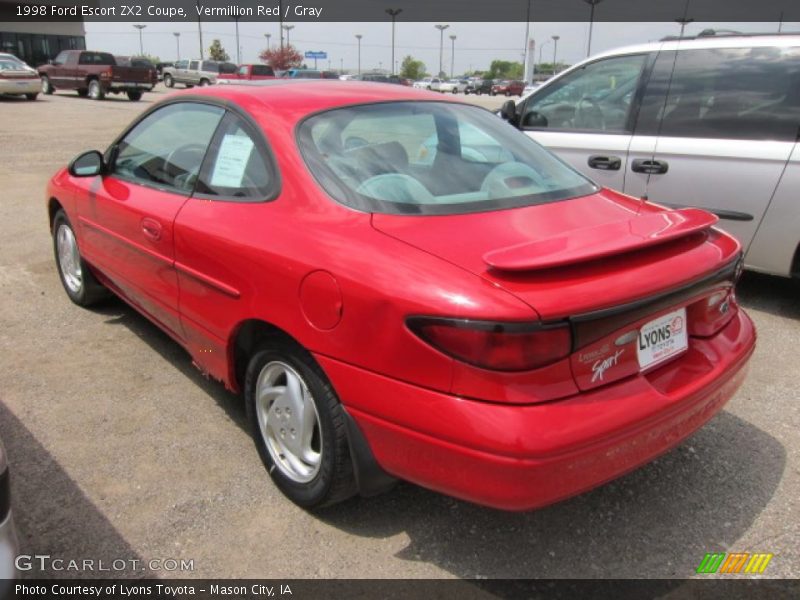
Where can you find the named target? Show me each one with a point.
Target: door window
(166, 148)
(724, 93)
(60, 59)
(596, 97)
(239, 166)
(181, 64)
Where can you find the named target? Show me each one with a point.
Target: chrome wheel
(288, 421)
(69, 259)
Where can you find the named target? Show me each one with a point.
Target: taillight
(499, 346)
(105, 74)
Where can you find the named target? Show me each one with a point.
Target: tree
(217, 52)
(505, 69)
(281, 59)
(412, 68)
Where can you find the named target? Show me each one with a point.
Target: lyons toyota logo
(734, 562)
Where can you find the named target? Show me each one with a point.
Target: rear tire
(47, 87)
(134, 96)
(77, 278)
(204, 82)
(168, 80)
(313, 474)
(32, 96)
(96, 90)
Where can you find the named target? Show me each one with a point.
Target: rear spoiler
(600, 241)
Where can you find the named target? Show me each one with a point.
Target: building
(37, 42)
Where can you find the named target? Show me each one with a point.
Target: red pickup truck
(249, 73)
(95, 74)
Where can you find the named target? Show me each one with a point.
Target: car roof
(296, 98)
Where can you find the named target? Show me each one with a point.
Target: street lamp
(238, 54)
(541, 47)
(683, 22)
(141, 46)
(555, 50)
(393, 12)
(288, 28)
(441, 29)
(178, 42)
(268, 35)
(199, 28)
(452, 55)
(592, 3)
(358, 37)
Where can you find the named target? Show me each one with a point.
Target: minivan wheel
(298, 425)
(47, 88)
(168, 80)
(95, 90)
(80, 284)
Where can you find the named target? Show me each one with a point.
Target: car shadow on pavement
(657, 521)
(779, 296)
(53, 516)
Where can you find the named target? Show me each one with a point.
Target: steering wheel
(588, 115)
(189, 155)
(511, 179)
(396, 187)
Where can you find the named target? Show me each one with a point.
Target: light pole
(341, 66)
(683, 22)
(238, 54)
(358, 37)
(288, 28)
(178, 43)
(393, 12)
(452, 55)
(441, 29)
(268, 35)
(141, 46)
(555, 50)
(199, 28)
(592, 3)
(540, 50)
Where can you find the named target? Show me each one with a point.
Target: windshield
(431, 158)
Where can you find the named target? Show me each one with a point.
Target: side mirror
(534, 119)
(88, 164)
(509, 111)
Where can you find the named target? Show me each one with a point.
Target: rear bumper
(523, 457)
(129, 87)
(20, 86)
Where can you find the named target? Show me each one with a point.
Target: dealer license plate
(662, 338)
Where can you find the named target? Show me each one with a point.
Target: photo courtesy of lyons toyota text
(400, 299)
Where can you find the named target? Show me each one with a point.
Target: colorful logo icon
(734, 562)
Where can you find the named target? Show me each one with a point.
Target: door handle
(151, 229)
(649, 166)
(605, 163)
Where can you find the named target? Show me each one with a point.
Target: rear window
(431, 158)
(96, 58)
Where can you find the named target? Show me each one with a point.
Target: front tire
(77, 278)
(168, 80)
(96, 90)
(47, 87)
(31, 96)
(298, 425)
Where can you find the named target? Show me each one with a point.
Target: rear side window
(596, 97)
(262, 70)
(238, 165)
(724, 93)
(96, 58)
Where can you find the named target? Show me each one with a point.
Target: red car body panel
(343, 282)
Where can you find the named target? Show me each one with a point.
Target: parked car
(196, 72)
(94, 74)
(501, 316)
(302, 74)
(9, 544)
(248, 72)
(17, 78)
(710, 121)
(453, 86)
(508, 88)
(480, 86)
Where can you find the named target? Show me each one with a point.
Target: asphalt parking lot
(120, 449)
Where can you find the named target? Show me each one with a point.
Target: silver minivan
(711, 121)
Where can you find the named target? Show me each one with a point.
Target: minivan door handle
(605, 163)
(649, 166)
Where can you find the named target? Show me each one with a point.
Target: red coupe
(402, 286)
